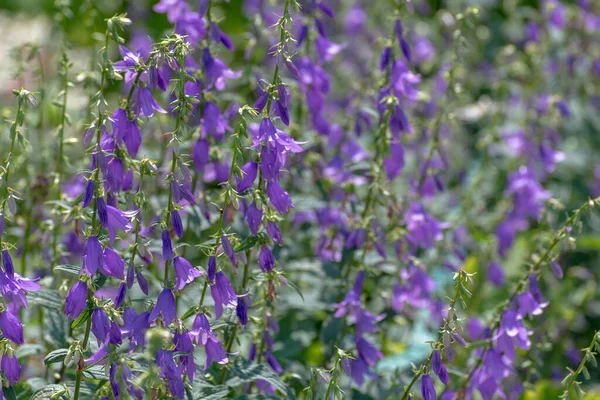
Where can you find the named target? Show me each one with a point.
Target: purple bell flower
(556, 270)
(223, 294)
(254, 218)
(126, 131)
(166, 306)
(274, 232)
(120, 296)
(212, 269)
(242, 309)
(167, 246)
(443, 374)
(11, 368)
(114, 334)
(88, 193)
(142, 282)
(7, 263)
(219, 36)
(265, 259)
(228, 249)
(113, 264)
(185, 272)
(436, 361)
(177, 225)
(11, 327)
(170, 372)
(214, 352)
(93, 258)
(146, 105)
(495, 274)
(214, 123)
(427, 388)
(100, 325)
(280, 199)
(76, 300)
(249, 171)
(201, 154)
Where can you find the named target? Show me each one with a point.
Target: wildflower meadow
(299, 199)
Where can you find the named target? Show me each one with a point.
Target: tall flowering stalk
(63, 95)
(13, 286)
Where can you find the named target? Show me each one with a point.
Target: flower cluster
(317, 198)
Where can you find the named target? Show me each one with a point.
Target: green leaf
(83, 317)
(56, 328)
(70, 268)
(245, 371)
(95, 372)
(100, 281)
(35, 384)
(201, 390)
(9, 393)
(191, 311)
(55, 356)
(247, 244)
(48, 391)
(27, 350)
(46, 298)
(77, 200)
(296, 288)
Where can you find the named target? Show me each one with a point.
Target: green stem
(436, 345)
(59, 158)
(536, 269)
(574, 374)
(86, 338)
(26, 239)
(95, 219)
(235, 328)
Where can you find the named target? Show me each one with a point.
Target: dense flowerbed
(204, 199)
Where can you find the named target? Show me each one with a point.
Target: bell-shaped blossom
(185, 272)
(165, 306)
(117, 219)
(423, 229)
(177, 224)
(327, 50)
(113, 264)
(249, 171)
(169, 371)
(242, 308)
(146, 105)
(11, 368)
(214, 352)
(219, 36)
(223, 294)
(126, 131)
(76, 300)
(274, 232)
(216, 71)
(214, 123)
(266, 261)
(100, 325)
(254, 218)
(183, 344)
(11, 327)
(167, 246)
(93, 256)
(280, 199)
(201, 155)
(228, 250)
(7, 263)
(128, 64)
